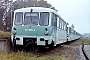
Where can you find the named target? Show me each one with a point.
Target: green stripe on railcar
(33, 30)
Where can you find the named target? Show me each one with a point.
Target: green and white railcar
(74, 38)
(38, 25)
(75, 35)
(70, 34)
(78, 35)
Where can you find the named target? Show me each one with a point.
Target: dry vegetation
(27, 56)
(4, 34)
(64, 52)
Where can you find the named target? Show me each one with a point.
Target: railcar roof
(35, 9)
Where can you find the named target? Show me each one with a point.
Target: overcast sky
(75, 12)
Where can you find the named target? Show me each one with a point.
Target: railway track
(39, 54)
(84, 52)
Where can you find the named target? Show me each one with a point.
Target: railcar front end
(32, 28)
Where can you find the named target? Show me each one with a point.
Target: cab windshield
(31, 18)
(44, 18)
(18, 18)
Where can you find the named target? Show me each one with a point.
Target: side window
(64, 26)
(60, 24)
(58, 21)
(72, 31)
(69, 30)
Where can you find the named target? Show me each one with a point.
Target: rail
(84, 51)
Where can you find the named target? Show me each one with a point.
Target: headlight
(46, 31)
(14, 32)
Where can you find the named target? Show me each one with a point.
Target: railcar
(38, 26)
(78, 35)
(72, 34)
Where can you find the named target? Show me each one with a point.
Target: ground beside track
(70, 51)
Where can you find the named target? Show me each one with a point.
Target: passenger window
(69, 30)
(62, 24)
(72, 31)
(58, 22)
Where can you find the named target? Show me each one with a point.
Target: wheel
(14, 47)
(37, 49)
(34, 48)
(51, 45)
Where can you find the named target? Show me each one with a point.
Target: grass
(86, 41)
(77, 42)
(54, 57)
(27, 56)
(4, 34)
(15, 55)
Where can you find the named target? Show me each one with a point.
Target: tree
(31, 3)
(67, 23)
(72, 26)
(6, 6)
(1, 15)
(5, 14)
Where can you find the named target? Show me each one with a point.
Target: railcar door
(58, 30)
(55, 27)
